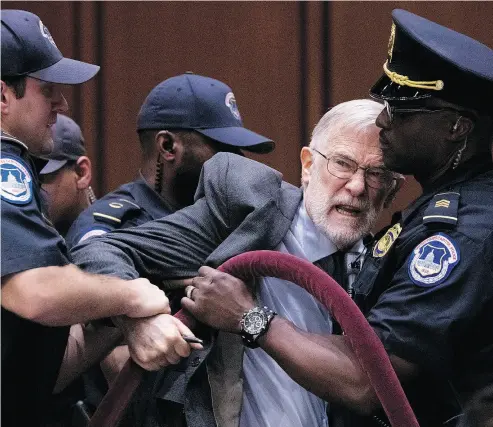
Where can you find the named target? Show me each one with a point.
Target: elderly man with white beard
(242, 205)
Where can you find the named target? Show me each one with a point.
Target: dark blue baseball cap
(199, 103)
(427, 60)
(68, 144)
(29, 50)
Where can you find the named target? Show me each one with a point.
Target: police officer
(42, 293)
(426, 285)
(183, 122)
(66, 178)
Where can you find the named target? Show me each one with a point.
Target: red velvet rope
(363, 340)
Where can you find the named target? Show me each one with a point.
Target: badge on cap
(230, 101)
(46, 34)
(433, 260)
(16, 182)
(387, 240)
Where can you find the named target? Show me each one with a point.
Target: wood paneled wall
(287, 62)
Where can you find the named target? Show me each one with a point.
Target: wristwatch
(254, 324)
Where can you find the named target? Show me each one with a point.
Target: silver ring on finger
(189, 291)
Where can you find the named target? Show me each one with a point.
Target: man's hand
(156, 342)
(219, 299)
(149, 301)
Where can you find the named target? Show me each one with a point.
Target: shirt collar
(315, 244)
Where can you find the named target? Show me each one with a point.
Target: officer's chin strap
(362, 339)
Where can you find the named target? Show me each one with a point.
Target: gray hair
(359, 114)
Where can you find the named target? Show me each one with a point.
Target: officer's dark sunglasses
(344, 168)
(392, 110)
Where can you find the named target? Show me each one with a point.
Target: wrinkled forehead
(359, 144)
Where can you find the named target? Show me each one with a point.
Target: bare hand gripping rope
(363, 340)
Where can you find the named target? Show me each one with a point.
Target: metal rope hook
(363, 340)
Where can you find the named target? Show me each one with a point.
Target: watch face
(254, 322)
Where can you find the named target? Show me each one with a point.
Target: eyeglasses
(344, 168)
(392, 110)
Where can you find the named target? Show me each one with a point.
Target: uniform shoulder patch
(115, 211)
(433, 260)
(16, 185)
(443, 209)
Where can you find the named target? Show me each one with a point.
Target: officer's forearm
(59, 296)
(324, 365)
(86, 346)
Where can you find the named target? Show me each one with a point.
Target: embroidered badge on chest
(16, 181)
(386, 241)
(432, 260)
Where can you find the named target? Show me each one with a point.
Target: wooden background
(287, 62)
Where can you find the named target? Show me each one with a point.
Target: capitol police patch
(16, 182)
(230, 101)
(433, 260)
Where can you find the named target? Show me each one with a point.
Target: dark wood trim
(100, 141)
(303, 73)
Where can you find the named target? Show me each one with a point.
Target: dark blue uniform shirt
(31, 353)
(130, 205)
(426, 288)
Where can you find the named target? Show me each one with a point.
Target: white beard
(343, 236)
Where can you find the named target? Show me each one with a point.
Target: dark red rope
(363, 340)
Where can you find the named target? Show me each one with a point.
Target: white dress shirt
(270, 397)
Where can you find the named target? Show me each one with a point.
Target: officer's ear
(83, 170)
(396, 185)
(5, 97)
(166, 144)
(461, 127)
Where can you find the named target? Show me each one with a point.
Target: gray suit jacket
(241, 205)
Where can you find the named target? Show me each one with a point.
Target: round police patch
(93, 232)
(230, 101)
(15, 181)
(433, 260)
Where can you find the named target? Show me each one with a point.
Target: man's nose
(356, 184)
(383, 120)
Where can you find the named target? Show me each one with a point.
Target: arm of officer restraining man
(323, 364)
(59, 296)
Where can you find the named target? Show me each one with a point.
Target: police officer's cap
(68, 144)
(29, 50)
(203, 104)
(426, 59)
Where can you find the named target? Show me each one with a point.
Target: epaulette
(443, 208)
(115, 211)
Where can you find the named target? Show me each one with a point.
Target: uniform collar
(149, 200)
(6, 137)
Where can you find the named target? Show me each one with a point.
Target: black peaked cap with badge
(427, 59)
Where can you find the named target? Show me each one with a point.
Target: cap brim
(67, 71)
(387, 90)
(241, 138)
(52, 166)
